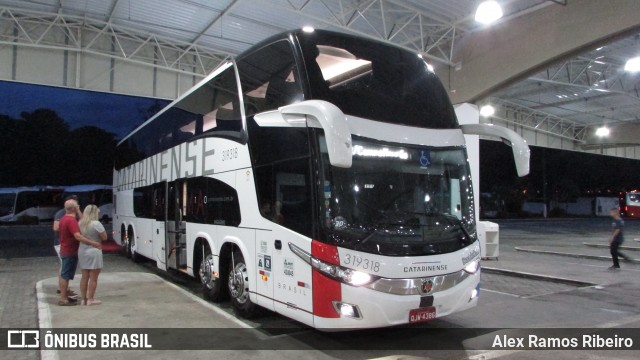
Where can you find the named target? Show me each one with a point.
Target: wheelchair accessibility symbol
(425, 158)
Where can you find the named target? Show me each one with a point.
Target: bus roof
(223, 65)
(87, 187)
(15, 190)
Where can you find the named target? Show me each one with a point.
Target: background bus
(29, 204)
(630, 204)
(320, 175)
(99, 195)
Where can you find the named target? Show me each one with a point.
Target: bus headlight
(347, 310)
(472, 267)
(345, 275)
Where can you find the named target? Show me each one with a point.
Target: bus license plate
(423, 314)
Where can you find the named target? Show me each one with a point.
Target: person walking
(90, 258)
(70, 239)
(616, 239)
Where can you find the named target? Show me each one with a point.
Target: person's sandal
(69, 292)
(67, 303)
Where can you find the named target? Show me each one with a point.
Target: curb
(526, 275)
(632, 248)
(582, 256)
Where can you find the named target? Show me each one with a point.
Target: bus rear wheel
(212, 286)
(239, 286)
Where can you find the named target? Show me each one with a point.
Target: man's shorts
(69, 265)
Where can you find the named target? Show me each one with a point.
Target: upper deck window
(375, 81)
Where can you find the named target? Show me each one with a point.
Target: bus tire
(239, 286)
(135, 257)
(124, 242)
(212, 287)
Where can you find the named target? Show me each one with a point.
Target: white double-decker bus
(318, 175)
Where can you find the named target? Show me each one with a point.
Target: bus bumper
(366, 308)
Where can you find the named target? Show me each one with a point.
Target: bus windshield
(375, 81)
(398, 200)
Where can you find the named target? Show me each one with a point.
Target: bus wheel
(132, 243)
(239, 286)
(212, 286)
(124, 242)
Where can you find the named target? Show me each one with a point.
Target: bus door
(159, 207)
(291, 212)
(176, 242)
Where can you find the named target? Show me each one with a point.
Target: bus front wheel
(239, 286)
(132, 246)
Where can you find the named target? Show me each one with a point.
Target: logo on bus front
(427, 286)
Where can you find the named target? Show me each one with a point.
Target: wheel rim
(206, 272)
(238, 283)
(125, 244)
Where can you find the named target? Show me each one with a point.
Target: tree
(90, 154)
(40, 149)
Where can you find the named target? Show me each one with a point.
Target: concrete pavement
(136, 300)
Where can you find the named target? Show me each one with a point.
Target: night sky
(114, 113)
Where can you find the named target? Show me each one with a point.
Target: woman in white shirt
(90, 258)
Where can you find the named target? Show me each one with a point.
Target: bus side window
(211, 201)
(282, 91)
(269, 78)
(224, 111)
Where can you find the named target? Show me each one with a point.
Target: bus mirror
(318, 114)
(276, 119)
(521, 152)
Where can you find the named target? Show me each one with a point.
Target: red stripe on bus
(325, 289)
(325, 252)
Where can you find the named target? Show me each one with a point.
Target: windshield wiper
(453, 220)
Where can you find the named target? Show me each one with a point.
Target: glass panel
(375, 81)
(399, 200)
(284, 191)
(213, 108)
(269, 78)
(211, 201)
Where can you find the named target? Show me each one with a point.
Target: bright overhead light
(487, 110)
(633, 64)
(603, 131)
(308, 29)
(488, 12)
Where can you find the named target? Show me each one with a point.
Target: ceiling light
(308, 29)
(633, 64)
(488, 12)
(487, 110)
(603, 131)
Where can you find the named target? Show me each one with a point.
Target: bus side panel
(158, 244)
(292, 276)
(143, 236)
(265, 278)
